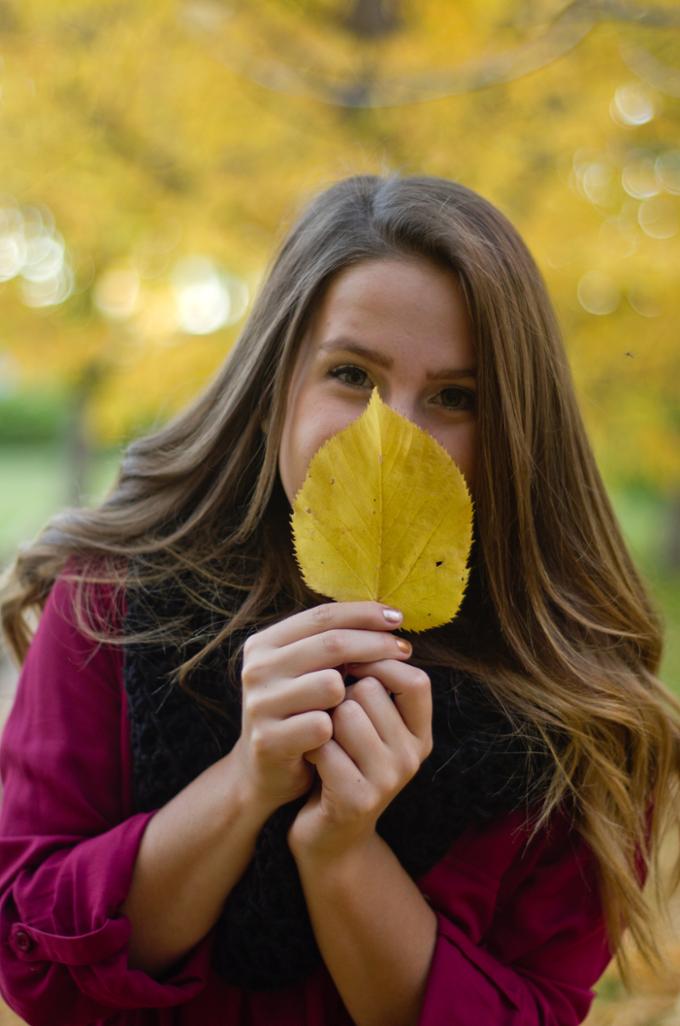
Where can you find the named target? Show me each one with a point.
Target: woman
(218, 814)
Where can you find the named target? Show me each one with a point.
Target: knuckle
(334, 687)
(421, 679)
(253, 706)
(367, 687)
(260, 742)
(347, 711)
(323, 614)
(392, 781)
(324, 727)
(252, 672)
(332, 643)
(411, 763)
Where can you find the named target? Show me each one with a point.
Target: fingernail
(392, 615)
(405, 646)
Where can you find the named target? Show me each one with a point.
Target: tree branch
(293, 73)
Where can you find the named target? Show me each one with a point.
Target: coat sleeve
(521, 937)
(68, 845)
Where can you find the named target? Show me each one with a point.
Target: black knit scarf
(478, 770)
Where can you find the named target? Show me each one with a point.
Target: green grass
(33, 487)
(644, 521)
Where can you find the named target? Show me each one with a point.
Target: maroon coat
(520, 937)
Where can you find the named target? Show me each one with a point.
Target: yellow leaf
(384, 513)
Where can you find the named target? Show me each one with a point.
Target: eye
(351, 375)
(456, 398)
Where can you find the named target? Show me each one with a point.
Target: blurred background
(154, 154)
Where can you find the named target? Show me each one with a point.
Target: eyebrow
(347, 345)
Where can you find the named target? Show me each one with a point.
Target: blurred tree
(157, 152)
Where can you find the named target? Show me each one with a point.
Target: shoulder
(82, 616)
(83, 597)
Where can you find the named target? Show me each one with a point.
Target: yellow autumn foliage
(565, 116)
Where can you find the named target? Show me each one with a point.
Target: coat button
(23, 940)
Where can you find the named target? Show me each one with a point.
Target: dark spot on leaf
(439, 562)
(332, 480)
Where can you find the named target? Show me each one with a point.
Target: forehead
(391, 302)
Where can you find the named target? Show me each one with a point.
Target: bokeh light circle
(639, 178)
(206, 297)
(632, 105)
(658, 217)
(598, 293)
(116, 293)
(668, 171)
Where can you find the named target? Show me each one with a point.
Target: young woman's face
(401, 325)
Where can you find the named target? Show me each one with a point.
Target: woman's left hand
(378, 745)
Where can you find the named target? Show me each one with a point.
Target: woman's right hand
(291, 674)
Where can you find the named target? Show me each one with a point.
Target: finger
(411, 688)
(322, 689)
(330, 616)
(336, 647)
(375, 700)
(291, 738)
(356, 734)
(393, 674)
(339, 774)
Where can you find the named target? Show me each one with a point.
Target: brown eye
(351, 375)
(457, 399)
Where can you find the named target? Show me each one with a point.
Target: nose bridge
(403, 399)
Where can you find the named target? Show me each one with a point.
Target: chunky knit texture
(478, 770)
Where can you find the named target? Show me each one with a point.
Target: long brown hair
(557, 620)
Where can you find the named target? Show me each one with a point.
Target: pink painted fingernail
(405, 646)
(392, 615)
